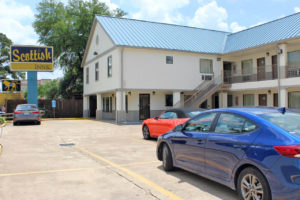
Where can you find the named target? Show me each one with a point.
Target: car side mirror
(178, 127)
(156, 118)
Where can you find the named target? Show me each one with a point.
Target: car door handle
(201, 141)
(239, 146)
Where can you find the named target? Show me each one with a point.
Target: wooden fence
(64, 107)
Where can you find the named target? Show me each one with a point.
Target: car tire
(38, 123)
(167, 158)
(259, 188)
(15, 123)
(146, 132)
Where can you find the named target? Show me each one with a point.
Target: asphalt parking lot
(86, 159)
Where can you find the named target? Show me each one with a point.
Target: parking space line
(133, 174)
(71, 170)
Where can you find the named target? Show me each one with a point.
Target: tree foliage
(5, 72)
(49, 91)
(67, 28)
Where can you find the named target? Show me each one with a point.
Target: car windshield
(288, 121)
(26, 107)
(194, 113)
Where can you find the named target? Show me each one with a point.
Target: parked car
(166, 121)
(255, 151)
(27, 113)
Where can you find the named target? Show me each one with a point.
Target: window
(168, 115)
(169, 59)
(206, 66)
(247, 67)
(248, 99)
(97, 39)
(201, 123)
(229, 123)
(294, 59)
(294, 100)
(107, 104)
(126, 103)
(109, 66)
(248, 127)
(96, 71)
(169, 99)
(87, 75)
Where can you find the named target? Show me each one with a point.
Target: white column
(120, 106)
(256, 102)
(283, 98)
(223, 99)
(86, 104)
(176, 100)
(270, 99)
(283, 59)
(99, 107)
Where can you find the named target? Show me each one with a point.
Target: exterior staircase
(203, 91)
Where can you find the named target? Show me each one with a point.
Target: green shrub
(2, 120)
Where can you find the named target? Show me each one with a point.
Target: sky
(17, 16)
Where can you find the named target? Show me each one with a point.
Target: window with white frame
(96, 71)
(294, 59)
(206, 66)
(107, 104)
(87, 75)
(109, 66)
(294, 100)
(247, 67)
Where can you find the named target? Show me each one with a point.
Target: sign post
(53, 106)
(32, 59)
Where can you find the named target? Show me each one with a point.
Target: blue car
(255, 151)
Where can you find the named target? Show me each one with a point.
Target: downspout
(121, 83)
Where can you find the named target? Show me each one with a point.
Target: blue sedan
(255, 151)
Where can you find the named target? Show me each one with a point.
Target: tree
(67, 28)
(5, 72)
(49, 91)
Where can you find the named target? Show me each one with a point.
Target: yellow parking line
(51, 171)
(133, 174)
(71, 170)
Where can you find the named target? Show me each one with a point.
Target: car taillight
(292, 151)
(17, 113)
(36, 112)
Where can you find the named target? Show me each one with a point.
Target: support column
(32, 95)
(176, 100)
(283, 60)
(86, 104)
(256, 99)
(283, 98)
(270, 99)
(223, 100)
(99, 107)
(120, 107)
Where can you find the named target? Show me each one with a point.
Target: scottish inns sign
(31, 58)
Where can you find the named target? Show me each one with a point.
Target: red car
(167, 121)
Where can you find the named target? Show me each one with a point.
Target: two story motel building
(135, 69)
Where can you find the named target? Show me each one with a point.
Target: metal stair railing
(204, 89)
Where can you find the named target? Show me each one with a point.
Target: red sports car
(167, 121)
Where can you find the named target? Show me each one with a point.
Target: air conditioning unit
(207, 77)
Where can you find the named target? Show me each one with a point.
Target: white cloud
(159, 10)
(235, 27)
(297, 9)
(111, 5)
(210, 16)
(15, 22)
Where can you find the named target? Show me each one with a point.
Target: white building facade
(134, 69)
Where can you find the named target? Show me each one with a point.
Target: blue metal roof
(277, 30)
(137, 33)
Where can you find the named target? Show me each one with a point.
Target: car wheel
(253, 185)
(146, 133)
(167, 158)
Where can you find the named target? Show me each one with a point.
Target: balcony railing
(290, 72)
